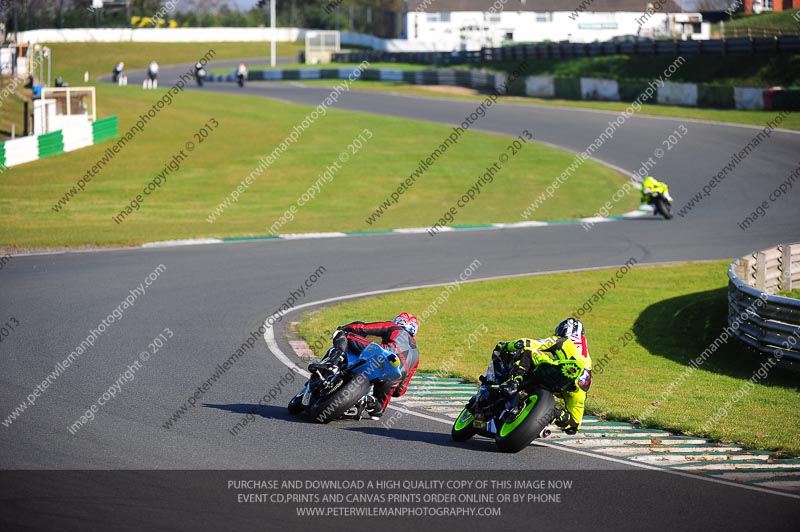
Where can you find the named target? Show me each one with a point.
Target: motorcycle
(339, 388)
(512, 420)
(200, 76)
(240, 79)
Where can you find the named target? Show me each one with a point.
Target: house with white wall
(472, 24)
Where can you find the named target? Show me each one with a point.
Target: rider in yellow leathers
(557, 362)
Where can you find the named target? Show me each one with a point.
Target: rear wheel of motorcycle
(334, 405)
(296, 404)
(463, 428)
(517, 434)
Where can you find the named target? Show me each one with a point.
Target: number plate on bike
(479, 424)
(306, 398)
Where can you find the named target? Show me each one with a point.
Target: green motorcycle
(514, 420)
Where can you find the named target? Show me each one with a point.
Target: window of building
(544, 17)
(439, 17)
(493, 18)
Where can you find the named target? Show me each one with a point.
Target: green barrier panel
(517, 87)
(329, 73)
(291, 74)
(50, 144)
(408, 76)
(787, 99)
(255, 75)
(568, 88)
(104, 129)
(2, 154)
(715, 96)
(631, 90)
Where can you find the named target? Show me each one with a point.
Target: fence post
(761, 271)
(786, 267)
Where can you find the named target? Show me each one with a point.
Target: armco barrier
(772, 328)
(462, 78)
(35, 147)
(51, 144)
(105, 128)
(686, 94)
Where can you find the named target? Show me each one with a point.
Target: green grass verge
(752, 118)
(12, 111)
(669, 315)
(252, 127)
(71, 60)
(791, 293)
(783, 20)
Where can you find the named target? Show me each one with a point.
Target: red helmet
(407, 321)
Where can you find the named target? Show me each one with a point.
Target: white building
(472, 24)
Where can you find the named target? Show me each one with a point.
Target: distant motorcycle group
(151, 81)
(200, 74)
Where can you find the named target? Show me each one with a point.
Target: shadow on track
(681, 328)
(441, 439)
(265, 411)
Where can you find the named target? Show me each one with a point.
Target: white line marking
(419, 230)
(186, 242)
(300, 236)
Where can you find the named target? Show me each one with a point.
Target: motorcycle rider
(560, 362)
(398, 336)
(241, 74)
(117, 72)
(152, 75)
(199, 73)
(651, 185)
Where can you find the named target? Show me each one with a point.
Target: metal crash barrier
(772, 326)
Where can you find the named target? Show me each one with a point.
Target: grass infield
(249, 129)
(642, 335)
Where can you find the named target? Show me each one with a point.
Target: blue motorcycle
(339, 388)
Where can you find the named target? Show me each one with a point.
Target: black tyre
(462, 428)
(334, 405)
(295, 406)
(662, 207)
(518, 433)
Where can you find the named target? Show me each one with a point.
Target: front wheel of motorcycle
(333, 406)
(516, 434)
(296, 404)
(463, 429)
(663, 208)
